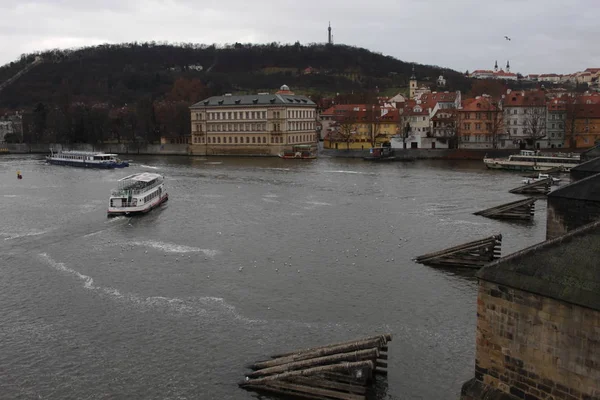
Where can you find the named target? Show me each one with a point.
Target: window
(235, 139)
(478, 126)
(253, 139)
(264, 140)
(247, 139)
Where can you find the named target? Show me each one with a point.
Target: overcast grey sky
(547, 35)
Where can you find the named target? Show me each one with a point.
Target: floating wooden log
(383, 339)
(538, 187)
(368, 343)
(474, 254)
(368, 354)
(339, 371)
(520, 209)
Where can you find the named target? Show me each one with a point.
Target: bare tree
(346, 128)
(573, 111)
(535, 124)
(495, 125)
(374, 121)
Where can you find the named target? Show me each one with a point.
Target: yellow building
(586, 118)
(359, 126)
(262, 124)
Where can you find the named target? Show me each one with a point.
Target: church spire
(413, 77)
(496, 66)
(507, 66)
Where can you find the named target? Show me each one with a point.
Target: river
(248, 258)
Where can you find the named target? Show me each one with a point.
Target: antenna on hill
(329, 35)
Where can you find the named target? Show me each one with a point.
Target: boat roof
(141, 177)
(87, 153)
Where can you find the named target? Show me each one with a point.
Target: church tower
(507, 66)
(412, 84)
(329, 37)
(496, 66)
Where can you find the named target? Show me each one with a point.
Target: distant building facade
(11, 128)
(262, 124)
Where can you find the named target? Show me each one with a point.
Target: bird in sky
(506, 37)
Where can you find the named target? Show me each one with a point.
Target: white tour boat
(530, 160)
(86, 159)
(137, 194)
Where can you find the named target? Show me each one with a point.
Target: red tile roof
(530, 98)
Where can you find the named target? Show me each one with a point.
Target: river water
(249, 257)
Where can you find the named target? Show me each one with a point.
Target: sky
(547, 36)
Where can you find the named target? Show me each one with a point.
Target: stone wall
(432, 154)
(533, 347)
(573, 206)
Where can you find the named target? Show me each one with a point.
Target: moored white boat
(137, 194)
(86, 159)
(541, 177)
(529, 160)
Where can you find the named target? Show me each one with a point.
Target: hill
(140, 75)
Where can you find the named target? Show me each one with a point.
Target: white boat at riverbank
(541, 177)
(530, 160)
(137, 194)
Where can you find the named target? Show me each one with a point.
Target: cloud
(547, 35)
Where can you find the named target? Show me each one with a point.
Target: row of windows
(248, 127)
(150, 197)
(255, 127)
(467, 126)
(301, 113)
(253, 139)
(234, 115)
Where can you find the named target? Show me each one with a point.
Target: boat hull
(85, 164)
(116, 211)
(495, 164)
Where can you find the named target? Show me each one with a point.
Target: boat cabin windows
(150, 196)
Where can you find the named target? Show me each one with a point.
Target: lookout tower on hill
(329, 35)
(412, 84)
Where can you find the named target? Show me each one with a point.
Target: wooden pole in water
(387, 337)
(369, 354)
(305, 355)
(342, 367)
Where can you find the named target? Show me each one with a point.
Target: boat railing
(131, 189)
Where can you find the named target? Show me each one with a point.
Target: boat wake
(148, 166)
(12, 236)
(175, 248)
(198, 306)
(348, 172)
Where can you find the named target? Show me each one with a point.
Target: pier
(541, 187)
(520, 209)
(474, 254)
(338, 371)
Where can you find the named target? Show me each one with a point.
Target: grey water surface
(249, 257)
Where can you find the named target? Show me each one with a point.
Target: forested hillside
(146, 82)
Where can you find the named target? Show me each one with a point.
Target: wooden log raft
(538, 187)
(520, 209)
(474, 254)
(338, 371)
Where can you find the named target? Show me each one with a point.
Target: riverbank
(183, 150)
